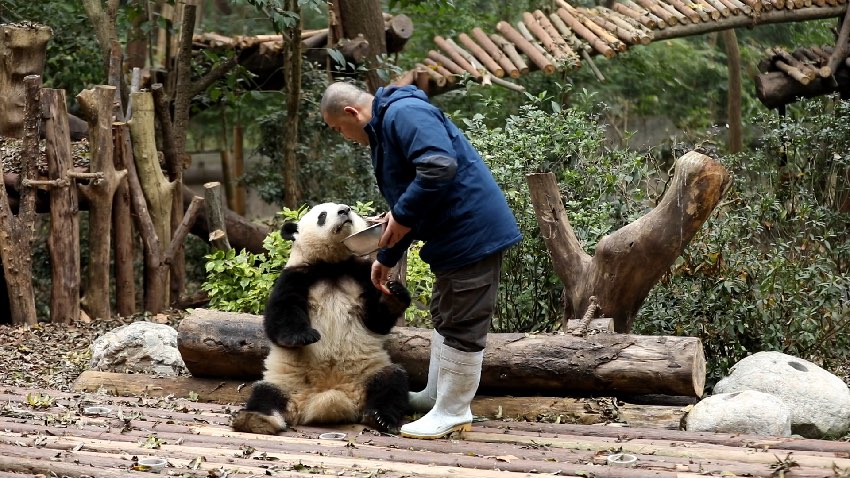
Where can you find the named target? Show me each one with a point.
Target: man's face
(349, 124)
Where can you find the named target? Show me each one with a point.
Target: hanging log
(64, 240)
(446, 63)
(526, 47)
(228, 345)
(638, 254)
(456, 56)
(511, 51)
(659, 11)
(639, 15)
(488, 61)
(776, 89)
(440, 69)
(398, 29)
(555, 45)
(600, 46)
(494, 52)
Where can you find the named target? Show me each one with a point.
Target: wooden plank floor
(49, 433)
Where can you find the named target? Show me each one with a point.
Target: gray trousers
(463, 302)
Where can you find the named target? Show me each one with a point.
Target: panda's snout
(344, 211)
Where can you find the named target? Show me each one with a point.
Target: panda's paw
(399, 292)
(298, 339)
(255, 422)
(382, 422)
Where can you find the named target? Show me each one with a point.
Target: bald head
(340, 94)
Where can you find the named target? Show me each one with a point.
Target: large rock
(140, 347)
(749, 412)
(819, 401)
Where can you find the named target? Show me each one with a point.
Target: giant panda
(326, 324)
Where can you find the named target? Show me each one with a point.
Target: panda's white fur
(327, 325)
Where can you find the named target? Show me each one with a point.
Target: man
(440, 192)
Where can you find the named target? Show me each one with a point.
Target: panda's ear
(289, 230)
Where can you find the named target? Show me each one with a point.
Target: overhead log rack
(568, 36)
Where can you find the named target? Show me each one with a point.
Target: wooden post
(215, 216)
(64, 240)
(22, 53)
(98, 105)
(17, 233)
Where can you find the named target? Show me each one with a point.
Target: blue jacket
(435, 183)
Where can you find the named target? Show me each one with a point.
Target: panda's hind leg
(264, 412)
(386, 402)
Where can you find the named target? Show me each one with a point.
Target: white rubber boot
(457, 383)
(423, 401)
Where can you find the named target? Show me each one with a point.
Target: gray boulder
(140, 347)
(749, 412)
(819, 401)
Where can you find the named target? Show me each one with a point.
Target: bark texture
(97, 104)
(227, 345)
(631, 260)
(366, 18)
(17, 233)
(64, 240)
(22, 53)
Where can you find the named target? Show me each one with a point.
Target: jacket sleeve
(418, 131)
(389, 256)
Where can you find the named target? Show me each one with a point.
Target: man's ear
(289, 230)
(352, 111)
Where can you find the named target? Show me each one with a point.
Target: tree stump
(22, 53)
(631, 260)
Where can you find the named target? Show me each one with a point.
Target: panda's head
(318, 235)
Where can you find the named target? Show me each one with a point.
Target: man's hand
(393, 232)
(380, 276)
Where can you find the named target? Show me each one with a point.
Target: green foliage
(330, 168)
(769, 270)
(602, 190)
(420, 283)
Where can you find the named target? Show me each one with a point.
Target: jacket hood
(385, 96)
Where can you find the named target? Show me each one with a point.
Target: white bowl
(622, 460)
(366, 241)
(97, 411)
(152, 464)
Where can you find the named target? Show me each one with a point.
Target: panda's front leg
(264, 412)
(384, 310)
(286, 319)
(386, 402)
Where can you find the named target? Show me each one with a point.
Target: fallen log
(776, 89)
(585, 411)
(217, 344)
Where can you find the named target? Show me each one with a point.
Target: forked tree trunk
(17, 233)
(631, 260)
(157, 189)
(64, 240)
(22, 53)
(97, 104)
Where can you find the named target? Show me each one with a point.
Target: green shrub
(601, 188)
(768, 271)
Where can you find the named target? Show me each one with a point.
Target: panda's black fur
(326, 324)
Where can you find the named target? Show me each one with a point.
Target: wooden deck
(49, 433)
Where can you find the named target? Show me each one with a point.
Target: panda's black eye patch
(322, 218)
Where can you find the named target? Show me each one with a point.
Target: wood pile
(569, 36)
(56, 434)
